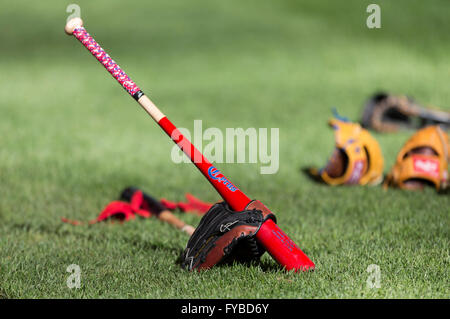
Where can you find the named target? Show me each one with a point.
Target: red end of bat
(282, 248)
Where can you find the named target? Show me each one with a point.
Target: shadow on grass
(129, 239)
(146, 245)
(267, 266)
(307, 171)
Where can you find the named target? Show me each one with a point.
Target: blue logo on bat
(216, 175)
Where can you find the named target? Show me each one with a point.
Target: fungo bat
(276, 242)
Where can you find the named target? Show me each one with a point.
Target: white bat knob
(72, 24)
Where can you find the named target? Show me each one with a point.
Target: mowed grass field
(71, 139)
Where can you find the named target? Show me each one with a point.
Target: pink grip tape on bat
(112, 67)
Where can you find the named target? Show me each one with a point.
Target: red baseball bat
(277, 243)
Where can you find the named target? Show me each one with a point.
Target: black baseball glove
(224, 235)
(389, 113)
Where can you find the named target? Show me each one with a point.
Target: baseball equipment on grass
(135, 202)
(388, 113)
(224, 235)
(357, 157)
(423, 160)
(270, 236)
(118, 210)
(156, 208)
(192, 205)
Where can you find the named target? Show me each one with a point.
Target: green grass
(71, 139)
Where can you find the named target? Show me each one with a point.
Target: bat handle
(75, 27)
(168, 217)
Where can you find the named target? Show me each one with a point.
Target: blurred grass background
(71, 139)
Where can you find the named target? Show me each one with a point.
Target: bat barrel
(282, 248)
